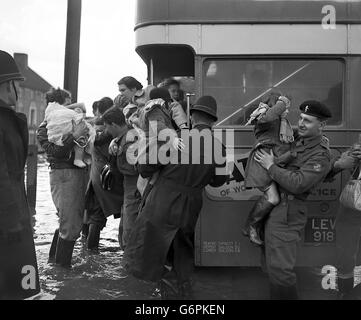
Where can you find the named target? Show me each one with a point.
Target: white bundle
(60, 121)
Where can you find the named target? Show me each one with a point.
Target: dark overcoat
(17, 248)
(111, 201)
(173, 203)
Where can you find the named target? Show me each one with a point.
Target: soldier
(161, 243)
(309, 167)
(19, 277)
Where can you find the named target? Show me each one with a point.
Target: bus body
(236, 51)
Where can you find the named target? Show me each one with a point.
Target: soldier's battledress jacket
(310, 164)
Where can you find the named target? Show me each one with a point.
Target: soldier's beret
(316, 109)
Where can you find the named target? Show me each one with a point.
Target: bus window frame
(344, 121)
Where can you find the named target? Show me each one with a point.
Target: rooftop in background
(32, 79)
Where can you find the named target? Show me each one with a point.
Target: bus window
(238, 85)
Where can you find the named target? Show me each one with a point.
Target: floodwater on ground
(101, 276)
(93, 276)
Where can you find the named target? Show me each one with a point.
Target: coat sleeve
(299, 181)
(9, 209)
(273, 113)
(102, 138)
(333, 170)
(51, 149)
(178, 115)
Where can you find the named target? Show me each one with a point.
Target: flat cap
(316, 109)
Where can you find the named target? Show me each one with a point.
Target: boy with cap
(303, 173)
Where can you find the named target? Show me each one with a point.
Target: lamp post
(71, 66)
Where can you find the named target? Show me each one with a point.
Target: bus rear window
(239, 85)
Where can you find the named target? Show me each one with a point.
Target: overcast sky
(107, 45)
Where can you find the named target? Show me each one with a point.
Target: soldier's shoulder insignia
(325, 142)
(317, 167)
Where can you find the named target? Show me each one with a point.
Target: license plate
(320, 230)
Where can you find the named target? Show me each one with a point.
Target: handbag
(351, 194)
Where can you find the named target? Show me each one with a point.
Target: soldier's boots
(278, 292)
(93, 237)
(168, 289)
(255, 221)
(52, 250)
(345, 287)
(185, 290)
(64, 252)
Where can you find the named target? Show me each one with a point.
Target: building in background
(31, 93)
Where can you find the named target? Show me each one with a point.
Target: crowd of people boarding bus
(103, 166)
(85, 193)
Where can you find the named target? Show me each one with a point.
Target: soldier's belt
(288, 197)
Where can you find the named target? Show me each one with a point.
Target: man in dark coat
(101, 203)
(116, 126)
(18, 267)
(161, 243)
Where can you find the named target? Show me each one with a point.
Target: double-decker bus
(237, 51)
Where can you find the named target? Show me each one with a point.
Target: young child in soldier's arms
(273, 132)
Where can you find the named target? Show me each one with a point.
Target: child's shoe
(256, 217)
(254, 236)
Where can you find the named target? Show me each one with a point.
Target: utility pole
(71, 68)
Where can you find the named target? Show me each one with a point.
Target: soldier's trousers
(348, 232)
(282, 235)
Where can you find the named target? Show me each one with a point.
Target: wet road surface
(101, 276)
